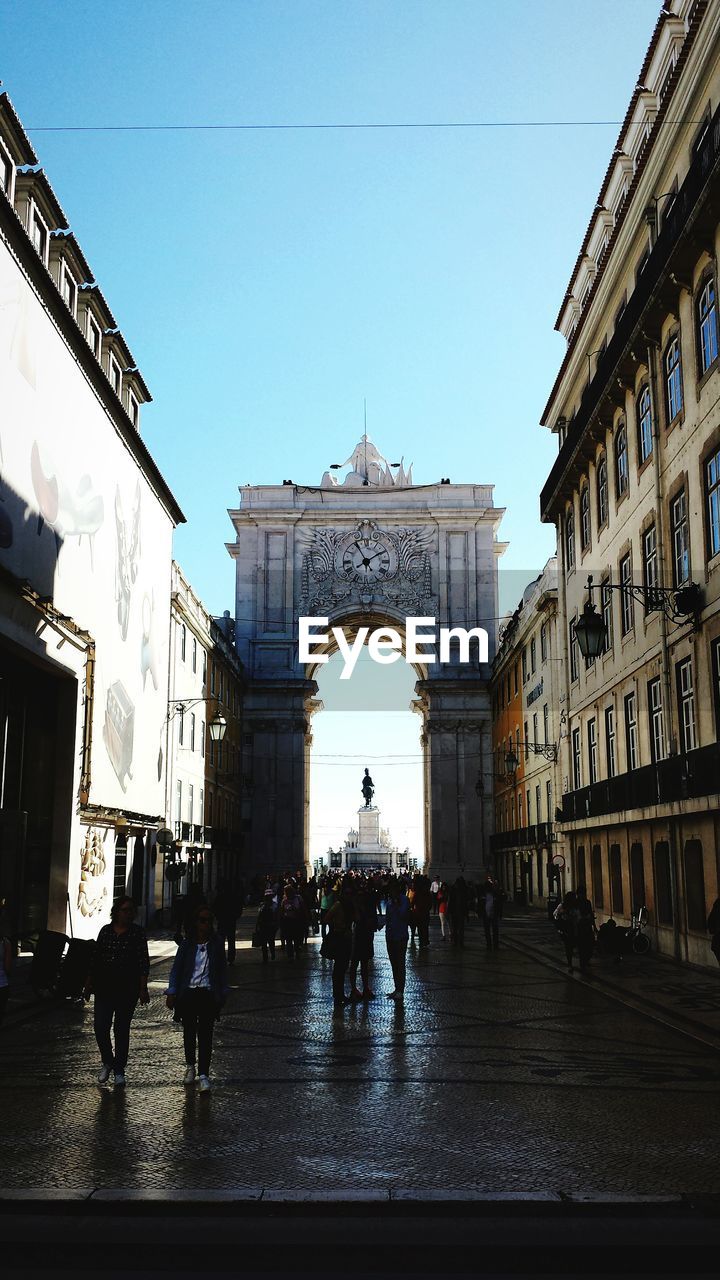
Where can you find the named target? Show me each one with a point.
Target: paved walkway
(500, 1076)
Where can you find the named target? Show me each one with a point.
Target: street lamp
(679, 604)
(511, 762)
(217, 727)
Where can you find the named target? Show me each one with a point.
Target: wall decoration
(119, 731)
(148, 650)
(75, 512)
(16, 329)
(92, 893)
(366, 565)
(128, 556)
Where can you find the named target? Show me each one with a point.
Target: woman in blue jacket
(197, 990)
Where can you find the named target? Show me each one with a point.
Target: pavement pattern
(500, 1074)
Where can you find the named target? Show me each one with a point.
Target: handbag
(331, 947)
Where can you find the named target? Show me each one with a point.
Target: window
(94, 336)
(191, 805)
(183, 641)
(39, 234)
(707, 326)
(569, 541)
(212, 678)
(597, 878)
(192, 730)
(543, 643)
(576, 762)
(535, 729)
(6, 171)
(616, 884)
(592, 750)
(610, 744)
(533, 655)
(133, 409)
(181, 726)
(686, 704)
(202, 739)
(529, 810)
(621, 461)
(657, 721)
(712, 493)
(584, 517)
(573, 653)
(515, 678)
(527, 741)
(715, 678)
(546, 724)
(580, 876)
(650, 568)
(178, 801)
(627, 610)
(606, 605)
(644, 425)
(68, 289)
(548, 800)
(538, 815)
(680, 539)
(663, 883)
(637, 877)
(115, 375)
(201, 807)
(194, 654)
(695, 886)
(204, 667)
(673, 379)
(602, 490)
(631, 739)
(524, 665)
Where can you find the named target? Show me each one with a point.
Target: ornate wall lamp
(678, 604)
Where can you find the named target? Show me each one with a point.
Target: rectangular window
(94, 336)
(597, 877)
(194, 654)
(529, 810)
(686, 704)
(576, 760)
(201, 807)
(183, 641)
(657, 721)
(610, 745)
(39, 234)
(181, 726)
(192, 730)
(115, 375)
(606, 606)
(524, 665)
(178, 801)
(6, 170)
(631, 736)
(548, 800)
(695, 886)
(663, 883)
(543, 643)
(133, 409)
(533, 655)
(673, 379)
(202, 739)
(191, 805)
(592, 750)
(680, 539)
(650, 568)
(546, 724)
(515, 677)
(712, 498)
(573, 653)
(68, 289)
(204, 667)
(212, 678)
(538, 815)
(616, 884)
(527, 741)
(535, 729)
(627, 611)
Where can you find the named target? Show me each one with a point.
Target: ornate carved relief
(365, 566)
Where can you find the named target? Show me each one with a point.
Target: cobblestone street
(499, 1075)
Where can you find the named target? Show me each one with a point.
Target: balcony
(692, 198)
(533, 837)
(681, 777)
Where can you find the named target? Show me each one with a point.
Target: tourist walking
(266, 927)
(117, 979)
(337, 944)
(586, 931)
(397, 927)
(566, 923)
(490, 908)
(420, 914)
(292, 916)
(197, 990)
(443, 910)
(227, 906)
(434, 890)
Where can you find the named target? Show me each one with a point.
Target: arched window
(621, 461)
(707, 326)
(673, 378)
(570, 539)
(584, 517)
(644, 424)
(602, 490)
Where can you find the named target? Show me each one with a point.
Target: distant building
(527, 850)
(86, 524)
(635, 497)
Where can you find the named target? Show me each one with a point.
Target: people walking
(566, 922)
(266, 926)
(337, 944)
(227, 906)
(118, 980)
(443, 910)
(586, 931)
(197, 990)
(420, 913)
(292, 916)
(490, 907)
(397, 927)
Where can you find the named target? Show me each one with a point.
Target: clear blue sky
(267, 282)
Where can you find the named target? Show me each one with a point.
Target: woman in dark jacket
(197, 989)
(118, 979)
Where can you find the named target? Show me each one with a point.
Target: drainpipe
(652, 349)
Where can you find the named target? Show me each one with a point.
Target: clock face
(370, 558)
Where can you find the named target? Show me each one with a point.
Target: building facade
(204, 749)
(528, 850)
(635, 497)
(86, 524)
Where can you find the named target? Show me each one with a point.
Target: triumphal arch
(365, 548)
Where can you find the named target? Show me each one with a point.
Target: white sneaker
(103, 1074)
(189, 1074)
(120, 1078)
(204, 1084)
